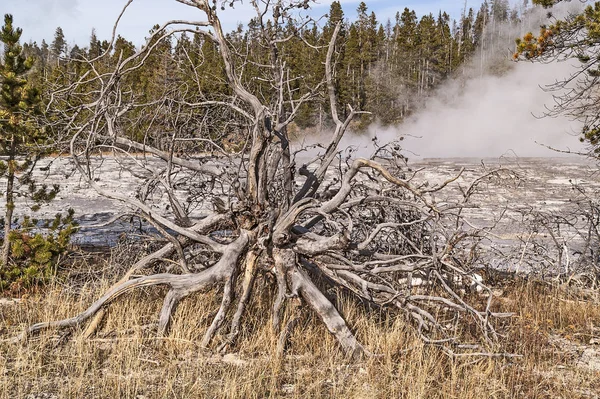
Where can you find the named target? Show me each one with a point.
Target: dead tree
(359, 225)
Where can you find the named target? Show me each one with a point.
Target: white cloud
(48, 8)
(40, 18)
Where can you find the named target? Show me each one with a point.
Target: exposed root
(247, 286)
(170, 303)
(181, 286)
(94, 324)
(284, 336)
(219, 319)
(204, 226)
(280, 296)
(302, 285)
(286, 332)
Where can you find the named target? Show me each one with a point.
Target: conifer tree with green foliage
(22, 143)
(59, 45)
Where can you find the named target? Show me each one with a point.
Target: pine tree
(44, 58)
(444, 46)
(406, 34)
(500, 10)
(123, 48)
(58, 48)
(482, 19)
(426, 35)
(405, 59)
(361, 53)
(94, 49)
(19, 132)
(466, 44)
(342, 85)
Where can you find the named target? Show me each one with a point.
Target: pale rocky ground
(549, 185)
(545, 184)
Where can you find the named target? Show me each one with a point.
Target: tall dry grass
(126, 359)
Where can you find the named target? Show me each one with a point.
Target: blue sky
(39, 18)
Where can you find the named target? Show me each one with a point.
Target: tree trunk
(10, 206)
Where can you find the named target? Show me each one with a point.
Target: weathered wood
(362, 226)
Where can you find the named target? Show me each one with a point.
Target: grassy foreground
(555, 331)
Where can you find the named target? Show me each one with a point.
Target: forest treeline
(385, 67)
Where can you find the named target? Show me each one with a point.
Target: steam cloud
(490, 116)
(486, 114)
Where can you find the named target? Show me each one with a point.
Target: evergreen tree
(466, 42)
(94, 49)
(19, 132)
(58, 48)
(442, 48)
(500, 10)
(44, 59)
(406, 35)
(426, 47)
(482, 19)
(361, 53)
(342, 85)
(123, 48)
(75, 53)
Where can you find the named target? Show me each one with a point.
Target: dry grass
(126, 360)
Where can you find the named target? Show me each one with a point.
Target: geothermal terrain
(511, 195)
(542, 184)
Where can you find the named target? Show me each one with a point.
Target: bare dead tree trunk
(358, 224)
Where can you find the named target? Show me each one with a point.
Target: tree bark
(10, 206)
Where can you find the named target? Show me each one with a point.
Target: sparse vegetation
(551, 331)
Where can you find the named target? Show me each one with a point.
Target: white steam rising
(483, 113)
(490, 116)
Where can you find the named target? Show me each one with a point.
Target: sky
(40, 18)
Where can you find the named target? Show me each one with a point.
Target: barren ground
(546, 184)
